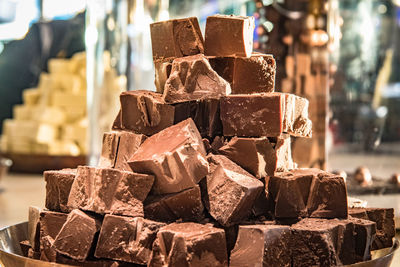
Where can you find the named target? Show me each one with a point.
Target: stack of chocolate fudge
(200, 172)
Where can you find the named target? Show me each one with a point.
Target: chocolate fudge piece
(176, 38)
(321, 242)
(289, 193)
(105, 190)
(205, 114)
(247, 115)
(162, 69)
(259, 156)
(185, 205)
(308, 193)
(385, 228)
(255, 74)
(262, 245)
(228, 35)
(328, 196)
(34, 227)
(193, 78)
(365, 231)
(118, 147)
(384, 219)
(51, 223)
(175, 156)
(189, 244)
(295, 118)
(231, 190)
(77, 235)
(145, 112)
(58, 186)
(127, 239)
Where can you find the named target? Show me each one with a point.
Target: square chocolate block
(189, 244)
(385, 228)
(58, 186)
(175, 156)
(77, 236)
(193, 78)
(118, 148)
(262, 245)
(308, 193)
(247, 115)
(51, 223)
(104, 190)
(328, 196)
(228, 35)
(365, 231)
(127, 239)
(255, 74)
(205, 114)
(145, 112)
(321, 242)
(185, 205)
(231, 190)
(176, 38)
(260, 156)
(267, 114)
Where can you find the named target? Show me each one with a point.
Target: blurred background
(63, 65)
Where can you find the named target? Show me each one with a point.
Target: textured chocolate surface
(365, 231)
(384, 219)
(34, 227)
(255, 74)
(308, 193)
(51, 223)
(176, 38)
(127, 239)
(58, 186)
(175, 156)
(321, 242)
(328, 196)
(259, 156)
(205, 114)
(185, 205)
(193, 78)
(104, 190)
(77, 236)
(118, 148)
(385, 228)
(262, 245)
(189, 244)
(267, 114)
(231, 190)
(145, 112)
(252, 115)
(228, 35)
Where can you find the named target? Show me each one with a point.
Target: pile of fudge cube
(200, 172)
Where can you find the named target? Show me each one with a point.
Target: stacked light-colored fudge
(200, 173)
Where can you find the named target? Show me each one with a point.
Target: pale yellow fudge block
(59, 65)
(19, 146)
(74, 132)
(3, 144)
(67, 82)
(74, 113)
(23, 112)
(64, 99)
(31, 131)
(57, 148)
(31, 96)
(49, 115)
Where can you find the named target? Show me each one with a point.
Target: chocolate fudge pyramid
(200, 173)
